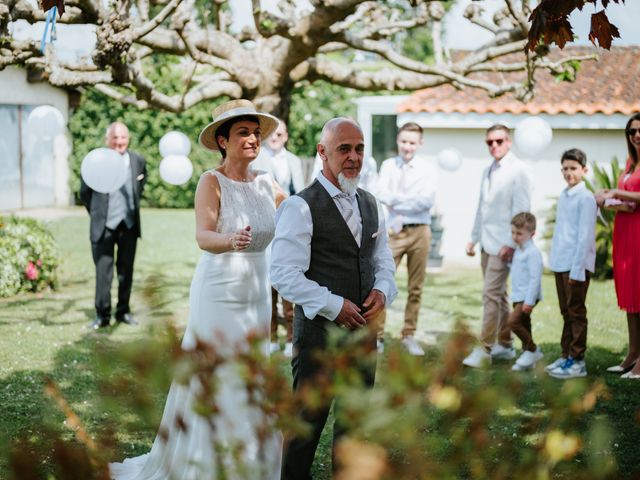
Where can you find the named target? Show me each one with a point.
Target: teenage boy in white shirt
(573, 258)
(526, 287)
(407, 188)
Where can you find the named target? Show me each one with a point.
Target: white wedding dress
(230, 298)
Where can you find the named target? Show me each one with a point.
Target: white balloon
(104, 170)
(174, 143)
(176, 169)
(533, 135)
(45, 121)
(449, 159)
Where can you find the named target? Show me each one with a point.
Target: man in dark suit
(331, 259)
(115, 220)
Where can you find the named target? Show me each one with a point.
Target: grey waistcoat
(336, 260)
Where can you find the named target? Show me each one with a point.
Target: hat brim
(268, 123)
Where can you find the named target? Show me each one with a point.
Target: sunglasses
(499, 142)
(632, 131)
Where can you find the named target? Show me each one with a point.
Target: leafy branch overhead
(351, 43)
(550, 23)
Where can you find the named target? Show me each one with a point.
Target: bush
(29, 256)
(604, 178)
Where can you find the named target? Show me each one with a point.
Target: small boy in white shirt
(526, 281)
(572, 259)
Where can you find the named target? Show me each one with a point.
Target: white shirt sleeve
(534, 260)
(290, 258)
(586, 226)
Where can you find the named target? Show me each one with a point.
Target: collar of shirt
(525, 246)
(575, 189)
(402, 164)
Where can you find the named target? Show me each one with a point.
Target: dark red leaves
(602, 30)
(48, 4)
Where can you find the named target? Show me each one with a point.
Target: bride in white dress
(229, 301)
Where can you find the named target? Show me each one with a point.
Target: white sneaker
(570, 369)
(288, 350)
(380, 346)
(555, 364)
(412, 346)
(500, 352)
(527, 360)
(479, 357)
(274, 347)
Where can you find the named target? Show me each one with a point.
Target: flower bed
(28, 256)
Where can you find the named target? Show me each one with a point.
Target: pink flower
(31, 271)
(39, 262)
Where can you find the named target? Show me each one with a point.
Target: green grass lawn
(45, 335)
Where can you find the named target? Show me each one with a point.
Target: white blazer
(508, 193)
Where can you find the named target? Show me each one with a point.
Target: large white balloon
(533, 135)
(174, 143)
(176, 169)
(45, 121)
(104, 170)
(449, 159)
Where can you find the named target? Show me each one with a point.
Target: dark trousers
(520, 324)
(309, 338)
(287, 310)
(571, 298)
(103, 251)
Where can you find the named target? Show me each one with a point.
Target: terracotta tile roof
(610, 85)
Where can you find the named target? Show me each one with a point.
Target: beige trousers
(495, 302)
(414, 242)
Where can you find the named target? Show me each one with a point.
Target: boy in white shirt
(573, 256)
(526, 281)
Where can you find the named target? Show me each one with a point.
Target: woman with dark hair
(229, 303)
(626, 246)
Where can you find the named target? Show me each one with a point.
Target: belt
(413, 225)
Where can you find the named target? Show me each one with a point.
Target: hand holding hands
(240, 239)
(506, 254)
(349, 316)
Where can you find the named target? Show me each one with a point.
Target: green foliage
(604, 178)
(90, 120)
(29, 256)
(311, 106)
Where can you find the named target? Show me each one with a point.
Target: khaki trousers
(495, 302)
(414, 242)
(571, 299)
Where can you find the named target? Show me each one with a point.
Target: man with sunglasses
(505, 191)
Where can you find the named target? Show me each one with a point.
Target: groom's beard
(348, 185)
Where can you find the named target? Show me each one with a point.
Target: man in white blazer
(505, 191)
(286, 169)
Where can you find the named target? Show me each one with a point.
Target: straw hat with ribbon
(232, 109)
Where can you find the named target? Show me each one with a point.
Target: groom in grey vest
(331, 259)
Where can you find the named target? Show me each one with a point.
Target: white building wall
(599, 136)
(15, 90)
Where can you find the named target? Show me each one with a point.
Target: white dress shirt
(526, 274)
(505, 190)
(284, 167)
(573, 248)
(407, 190)
(291, 257)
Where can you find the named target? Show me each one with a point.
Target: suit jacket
(508, 193)
(97, 203)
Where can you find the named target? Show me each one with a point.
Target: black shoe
(126, 318)
(99, 322)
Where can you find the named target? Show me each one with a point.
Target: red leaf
(602, 30)
(49, 4)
